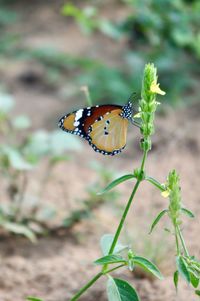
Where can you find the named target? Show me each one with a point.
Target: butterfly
(103, 126)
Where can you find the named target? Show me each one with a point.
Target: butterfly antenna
(133, 98)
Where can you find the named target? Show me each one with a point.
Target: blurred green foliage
(164, 31)
(7, 16)
(88, 20)
(165, 21)
(21, 151)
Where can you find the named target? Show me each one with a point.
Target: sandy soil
(56, 267)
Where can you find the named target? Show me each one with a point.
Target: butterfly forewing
(79, 122)
(74, 123)
(69, 121)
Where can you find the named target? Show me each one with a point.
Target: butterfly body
(104, 127)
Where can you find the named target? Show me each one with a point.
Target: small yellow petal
(137, 115)
(165, 193)
(156, 89)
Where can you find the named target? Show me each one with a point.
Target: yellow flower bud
(156, 89)
(137, 115)
(165, 193)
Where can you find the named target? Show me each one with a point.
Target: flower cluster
(173, 188)
(148, 104)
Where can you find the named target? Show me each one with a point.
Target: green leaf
(157, 219)
(34, 299)
(194, 279)
(187, 212)
(112, 290)
(176, 279)
(108, 259)
(182, 268)
(194, 261)
(153, 181)
(117, 182)
(148, 266)
(197, 292)
(20, 229)
(120, 290)
(106, 242)
(21, 122)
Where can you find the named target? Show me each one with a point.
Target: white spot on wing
(76, 123)
(79, 114)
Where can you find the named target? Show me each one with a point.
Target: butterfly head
(127, 110)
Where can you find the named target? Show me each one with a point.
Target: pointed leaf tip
(148, 266)
(182, 268)
(116, 182)
(187, 212)
(157, 219)
(176, 279)
(110, 259)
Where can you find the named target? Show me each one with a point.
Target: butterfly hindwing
(108, 135)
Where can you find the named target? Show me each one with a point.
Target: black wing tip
(61, 121)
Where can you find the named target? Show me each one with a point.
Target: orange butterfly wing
(69, 121)
(108, 135)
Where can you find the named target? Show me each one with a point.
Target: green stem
(113, 269)
(155, 183)
(143, 160)
(123, 218)
(104, 269)
(85, 287)
(127, 206)
(177, 242)
(93, 280)
(182, 241)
